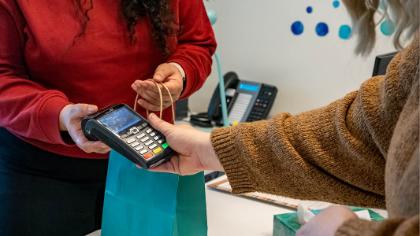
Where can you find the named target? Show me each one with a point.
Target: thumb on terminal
(162, 126)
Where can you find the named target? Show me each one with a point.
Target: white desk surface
(232, 215)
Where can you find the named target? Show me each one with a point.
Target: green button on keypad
(165, 145)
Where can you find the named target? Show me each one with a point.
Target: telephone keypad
(262, 104)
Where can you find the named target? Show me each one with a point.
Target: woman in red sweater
(62, 60)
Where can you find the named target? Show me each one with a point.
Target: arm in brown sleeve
(335, 153)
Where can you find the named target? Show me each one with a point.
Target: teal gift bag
(139, 202)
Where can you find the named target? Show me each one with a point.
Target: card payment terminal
(128, 133)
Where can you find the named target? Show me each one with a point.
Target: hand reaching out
(169, 75)
(194, 148)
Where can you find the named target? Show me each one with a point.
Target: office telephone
(246, 101)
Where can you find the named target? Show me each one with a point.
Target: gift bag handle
(161, 101)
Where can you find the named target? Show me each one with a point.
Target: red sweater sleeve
(196, 44)
(26, 108)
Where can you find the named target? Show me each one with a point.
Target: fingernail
(152, 116)
(92, 108)
(157, 77)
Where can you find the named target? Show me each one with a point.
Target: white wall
(255, 41)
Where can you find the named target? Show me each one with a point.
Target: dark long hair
(158, 12)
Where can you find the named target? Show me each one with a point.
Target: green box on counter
(287, 224)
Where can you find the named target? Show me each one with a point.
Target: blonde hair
(403, 13)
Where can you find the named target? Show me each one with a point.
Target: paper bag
(141, 203)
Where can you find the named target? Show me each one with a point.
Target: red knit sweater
(44, 65)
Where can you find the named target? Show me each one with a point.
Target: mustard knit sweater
(360, 150)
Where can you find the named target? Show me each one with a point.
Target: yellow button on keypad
(157, 150)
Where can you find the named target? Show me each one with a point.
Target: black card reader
(128, 133)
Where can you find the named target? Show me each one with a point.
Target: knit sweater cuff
(353, 227)
(236, 170)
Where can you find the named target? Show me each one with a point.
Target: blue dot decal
(309, 10)
(321, 29)
(297, 28)
(387, 27)
(344, 32)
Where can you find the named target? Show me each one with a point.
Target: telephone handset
(214, 112)
(246, 101)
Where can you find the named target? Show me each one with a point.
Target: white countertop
(232, 215)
